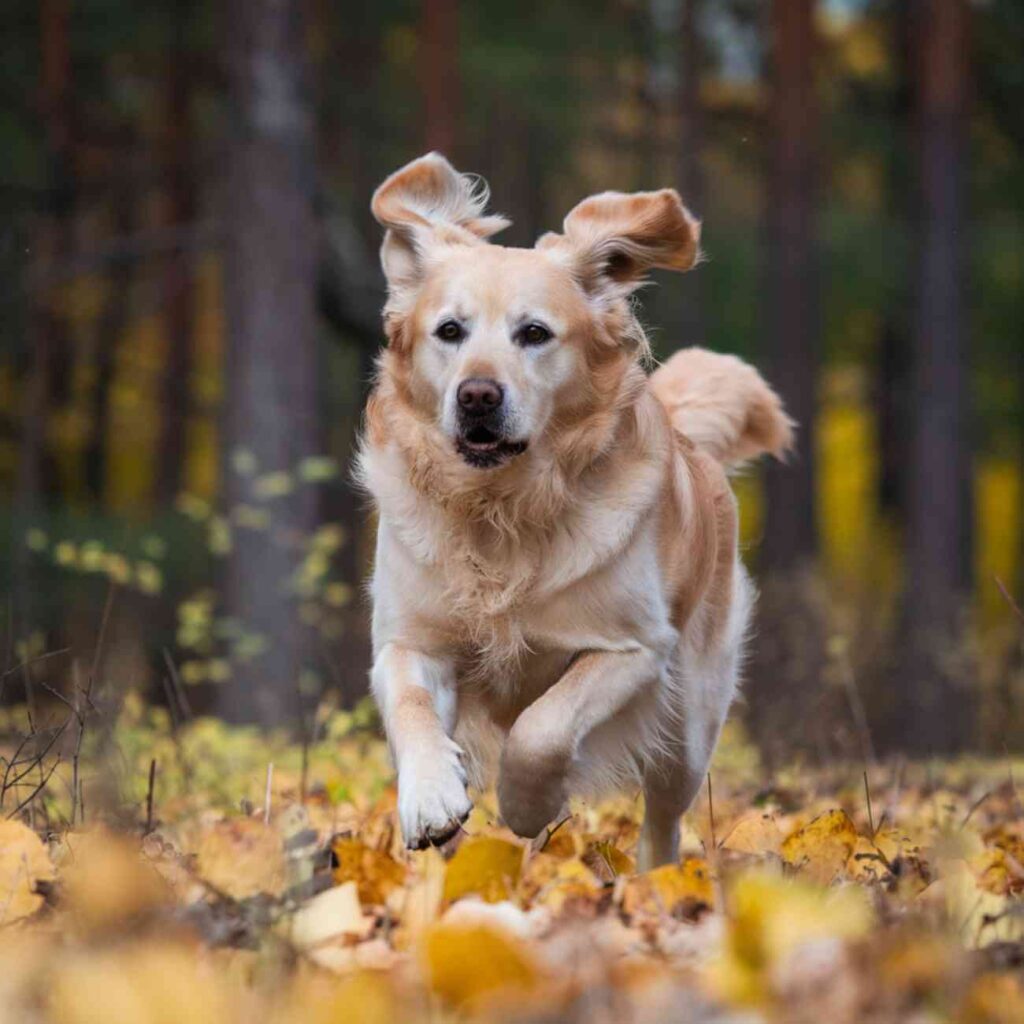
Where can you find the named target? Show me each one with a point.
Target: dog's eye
(450, 330)
(534, 334)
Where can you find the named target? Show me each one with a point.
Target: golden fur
(575, 612)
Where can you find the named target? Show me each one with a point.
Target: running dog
(557, 592)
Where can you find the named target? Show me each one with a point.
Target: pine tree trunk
(439, 74)
(271, 415)
(792, 281)
(785, 709)
(691, 139)
(938, 705)
(51, 242)
(179, 199)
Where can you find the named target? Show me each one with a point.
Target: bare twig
(35, 661)
(970, 811)
(711, 815)
(548, 833)
(1016, 609)
(35, 792)
(857, 709)
(98, 653)
(76, 757)
(867, 794)
(149, 796)
(266, 801)
(176, 705)
(177, 688)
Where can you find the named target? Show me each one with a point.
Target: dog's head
(492, 345)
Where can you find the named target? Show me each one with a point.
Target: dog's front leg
(416, 695)
(547, 735)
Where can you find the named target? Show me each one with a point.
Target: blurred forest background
(190, 312)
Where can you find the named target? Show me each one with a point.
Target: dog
(557, 590)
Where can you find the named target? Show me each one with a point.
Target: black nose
(478, 396)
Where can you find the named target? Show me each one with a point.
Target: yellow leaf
(822, 847)
(558, 884)
(465, 964)
(375, 872)
(755, 833)
(488, 867)
(671, 889)
(242, 857)
(318, 998)
(771, 919)
(107, 881)
(23, 862)
(142, 982)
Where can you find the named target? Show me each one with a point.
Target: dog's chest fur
(514, 606)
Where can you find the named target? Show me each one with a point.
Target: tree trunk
(178, 296)
(439, 73)
(792, 286)
(937, 699)
(892, 364)
(785, 696)
(47, 332)
(271, 411)
(691, 137)
(112, 323)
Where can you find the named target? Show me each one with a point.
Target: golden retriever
(557, 591)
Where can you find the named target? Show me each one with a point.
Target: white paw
(432, 797)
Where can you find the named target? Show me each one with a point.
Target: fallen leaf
(484, 866)
(770, 919)
(108, 882)
(24, 862)
(755, 833)
(822, 847)
(505, 915)
(607, 861)
(465, 964)
(678, 889)
(143, 983)
(332, 915)
(242, 857)
(375, 872)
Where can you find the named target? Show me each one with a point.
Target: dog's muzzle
(482, 438)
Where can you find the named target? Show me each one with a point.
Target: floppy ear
(614, 238)
(427, 203)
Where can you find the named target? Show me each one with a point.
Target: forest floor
(180, 895)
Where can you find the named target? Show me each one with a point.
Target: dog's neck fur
(527, 496)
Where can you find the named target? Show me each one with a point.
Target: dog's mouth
(483, 448)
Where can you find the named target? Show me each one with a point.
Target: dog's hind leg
(668, 793)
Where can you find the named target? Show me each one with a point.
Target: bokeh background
(190, 293)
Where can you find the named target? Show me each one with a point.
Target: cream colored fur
(574, 616)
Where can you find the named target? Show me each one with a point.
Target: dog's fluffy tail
(723, 405)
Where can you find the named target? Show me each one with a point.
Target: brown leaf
(375, 872)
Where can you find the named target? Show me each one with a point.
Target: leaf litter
(788, 903)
